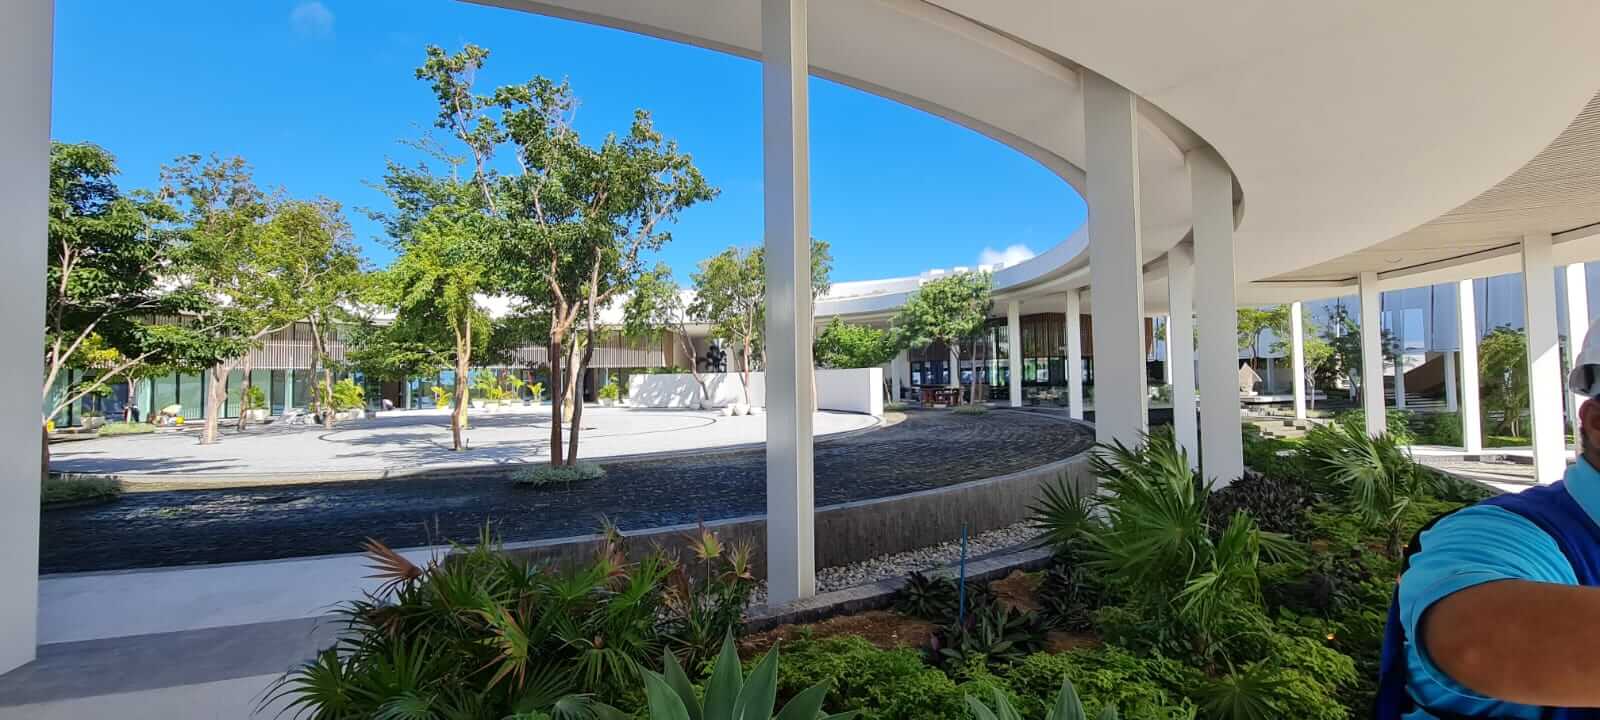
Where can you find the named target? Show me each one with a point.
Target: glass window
(300, 395)
(192, 395)
(916, 373)
(275, 388)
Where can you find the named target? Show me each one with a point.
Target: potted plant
(609, 394)
(255, 403)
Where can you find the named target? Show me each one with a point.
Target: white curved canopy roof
(1346, 125)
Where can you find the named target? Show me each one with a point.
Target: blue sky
(317, 94)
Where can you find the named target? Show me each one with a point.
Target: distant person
(1498, 609)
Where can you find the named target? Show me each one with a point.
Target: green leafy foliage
(74, 489)
(558, 475)
(882, 684)
(993, 632)
(846, 345)
(1067, 706)
(612, 392)
(950, 310)
(1107, 678)
(1374, 477)
(1503, 376)
(931, 597)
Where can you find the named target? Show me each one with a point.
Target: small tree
(949, 310)
(730, 293)
(1254, 321)
(844, 345)
(1503, 363)
(656, 306)
(1316, 353)
(1343, 336)
(434, 283)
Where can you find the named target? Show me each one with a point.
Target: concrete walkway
(412, 441)
(1506, 469)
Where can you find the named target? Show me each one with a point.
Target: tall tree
(730, 294)
(1254, 321)
(1316, 353)
(1343, 335)
(1503, 357)
(950, 310)
(434, 283)
(107, 256)
(574, 221)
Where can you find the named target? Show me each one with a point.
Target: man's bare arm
(1525, 642)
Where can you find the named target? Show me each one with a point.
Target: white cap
(1585, 377)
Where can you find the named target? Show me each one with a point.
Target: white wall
(857, 390)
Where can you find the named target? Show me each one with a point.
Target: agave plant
(1375, 475)
(931, 597)
(997, 633)
(1066, 707)
(728, 694)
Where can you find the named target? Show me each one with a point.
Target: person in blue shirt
(1497, 613)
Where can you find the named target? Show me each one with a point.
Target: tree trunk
(556, 382)
(577, 407)
(319, 361)
(458, 415)
(218, 375)
(327, 391)
(244, 394)
(744, 369)
(127, 407)
(573, 397)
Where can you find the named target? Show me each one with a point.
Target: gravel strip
(905, 563)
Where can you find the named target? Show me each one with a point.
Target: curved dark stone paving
(179, 527)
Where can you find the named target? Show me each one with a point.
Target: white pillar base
(1544, 360)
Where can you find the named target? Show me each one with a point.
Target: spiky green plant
(1375, 476)
(1067, 706)
(729, 695)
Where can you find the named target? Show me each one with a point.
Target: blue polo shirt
(1476, 545)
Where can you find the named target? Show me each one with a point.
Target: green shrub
(1438, 429)
(558, 475)
(1374, 478)
(883, 684)
(973, 409)
(1066, 706)
(1139, 688)
(1277, 504)
(1397, 423)
(894, 406)
(347, 395)
(254, 398)
(612, 392)
(64, 489)
(126, 428)
(930, 597)
(992, 632)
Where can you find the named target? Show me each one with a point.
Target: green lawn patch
(126, 428)
(63, 490)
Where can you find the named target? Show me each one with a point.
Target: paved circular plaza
(927, 450)
(409, 441)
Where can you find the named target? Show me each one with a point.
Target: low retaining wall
(855, 531)
(857, 390)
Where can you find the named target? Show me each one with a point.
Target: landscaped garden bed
(1166, 599)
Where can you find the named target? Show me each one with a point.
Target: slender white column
(1372, 356)
(1467, 337)
(1400, 374)
(25, 53)
(1166, 339)
(1014, 357)
(1180, 349)
(955, 368)
(791, 505)
(1544, 359)
(896, 367)
(1297, 343)
(1450, 402)
(1074, 355)
(1577, 327)
(1111, 128)
(1221, 446)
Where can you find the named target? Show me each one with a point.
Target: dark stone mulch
(928, 450)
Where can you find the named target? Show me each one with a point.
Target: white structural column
(955, 368)
(1166, 339)
(1577, 327)
(897, 366)
(1180, 349)
(1372, 356)
(1221, 446)
(1467, 337)
(25, 47)
(1111, 129)
(791, 506)
(1297, 344)
(1074, 354)
(1400, 369)
(1014, 351)
(1544, 359)
(1451, 404)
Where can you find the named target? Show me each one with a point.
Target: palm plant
(1066, 707)
(1374, 475)
(706, 599)
(728, 694)
(1158, 543)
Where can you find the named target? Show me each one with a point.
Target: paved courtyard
(927, 450)
(410, 441)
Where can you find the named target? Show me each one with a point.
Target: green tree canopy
(1503, 374)
(846, 345)
(949, 310)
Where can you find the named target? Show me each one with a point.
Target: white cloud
(1012, 255)
(311, 19)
